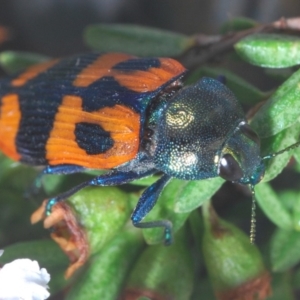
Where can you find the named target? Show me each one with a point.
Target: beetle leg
(146, 203)
(57, 170)
(109, 179)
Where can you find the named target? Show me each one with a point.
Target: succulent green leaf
(296, 155)
(272, 206)
(270, 50)
(15, 211)
(16, 61)
(281, 110)
(289, 198)
(161, 212)
(203, 289)
(107, 269)
(145, 181)
(137, 40)
(284, 249)
(230, 258)
(5, 165)
(17, 177)
(276, 143)
(51, 184)
(282, 287)
(175, 203)
(102, 211)
(188, 195)
(296, 211)
(157, 270)
(40, 250)
(295, 279)
(243, 90)
(195, 222)
(56, 184)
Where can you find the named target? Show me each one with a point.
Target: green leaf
(161, 212)
(145, 181)
(137, 40)
(157, 270)
(289, 198)
(195, 222)
(107, 269)
(270, 50)
(203, 289)
(41, 250)
(15, 211)
(16, 61)
(296, 279)
(5, 165)
(54, 184)
(102, 211)
(285, 252)
(296, 155)
(188, 195)
(272, 206)
(282, 287)
(175, 203)
(296, 211)
(51, 184)
(276, 143)
(238, 24)
(230, 259)
(282, 109)
(244, 91)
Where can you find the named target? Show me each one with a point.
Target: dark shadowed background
(54, 27)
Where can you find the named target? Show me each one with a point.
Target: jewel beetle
(131, 117)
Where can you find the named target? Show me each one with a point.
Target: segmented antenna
(253, 216)
(253, 208)
(271, 155)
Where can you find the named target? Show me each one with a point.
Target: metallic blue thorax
(196, 127)
(193, 128)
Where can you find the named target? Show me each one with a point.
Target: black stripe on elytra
(40, 99)
(137, 64)
(64, 71)
(107, 92)
(93, 138)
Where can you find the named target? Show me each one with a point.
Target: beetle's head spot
(181, 118)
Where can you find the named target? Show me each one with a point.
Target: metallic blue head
(202, 133)
(240, 159)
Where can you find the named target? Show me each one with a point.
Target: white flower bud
(23, 279)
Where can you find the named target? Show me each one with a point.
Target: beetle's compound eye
(229, 168)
